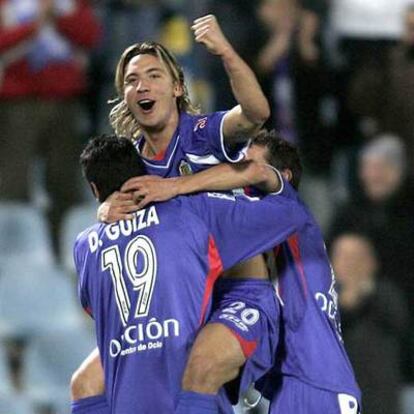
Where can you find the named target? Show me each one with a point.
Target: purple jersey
(197, 144)
(313, 348)
(147, 282)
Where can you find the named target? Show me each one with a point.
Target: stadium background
(339, 77)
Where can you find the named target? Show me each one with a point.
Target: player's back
(144, 282)
(313, 350)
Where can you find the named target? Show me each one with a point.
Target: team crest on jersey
(185, 168)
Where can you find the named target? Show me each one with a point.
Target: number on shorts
(249, 316)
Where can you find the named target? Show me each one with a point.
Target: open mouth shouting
(146, 105)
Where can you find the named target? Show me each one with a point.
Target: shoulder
(86, 241)
(83, 236)
(196, 124)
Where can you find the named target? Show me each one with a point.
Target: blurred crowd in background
(339, 75)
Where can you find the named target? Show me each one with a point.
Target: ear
(94, 189)
(287, 174)
(178, 90)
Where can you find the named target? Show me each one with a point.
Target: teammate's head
(151, 88)
(269, 147)
(107, 162)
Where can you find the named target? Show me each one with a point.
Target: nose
(142, 86)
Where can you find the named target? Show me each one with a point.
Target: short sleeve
(79, 257)
(205, 141)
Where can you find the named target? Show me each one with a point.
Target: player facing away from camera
(147, 281)
(313, 374)
(155, 111)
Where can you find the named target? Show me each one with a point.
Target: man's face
(150, 92)
(353, 259)
(379, 177)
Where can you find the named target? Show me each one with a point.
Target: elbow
(263, 110)
(257, 173)
(265, 115)
(257, 114)
(261, 115)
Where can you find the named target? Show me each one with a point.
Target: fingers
(200, 31)
(139, 195)
(123, 197)
(206, 18)
(122, 210)
(118, 206)
(136, 182)
(130, 185)
(144, 202)
(199, 37)
(203, 24)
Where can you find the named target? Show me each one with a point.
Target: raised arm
(245, 119)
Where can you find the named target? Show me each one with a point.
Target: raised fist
(207, 31)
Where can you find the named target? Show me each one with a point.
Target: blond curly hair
(120, 117)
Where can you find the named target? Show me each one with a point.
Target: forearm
(225, 177)
(246, 88)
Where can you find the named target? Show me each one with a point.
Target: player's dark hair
(281, 154)
(109, 161)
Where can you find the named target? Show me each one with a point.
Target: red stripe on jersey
(293, 243)
(160, 156)
(248, 347)
(216, 268)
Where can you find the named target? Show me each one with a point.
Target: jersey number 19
(142, 281)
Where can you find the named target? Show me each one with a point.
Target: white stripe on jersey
(208, 159)
(148, 162)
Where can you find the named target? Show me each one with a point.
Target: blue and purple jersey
(313, 349)
(147, 282)
(197, 144)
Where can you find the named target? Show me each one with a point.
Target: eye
(155, 76)
(130, 81)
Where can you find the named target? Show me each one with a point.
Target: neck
(158, 139)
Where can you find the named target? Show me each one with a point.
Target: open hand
(150, 188)
(118, 206)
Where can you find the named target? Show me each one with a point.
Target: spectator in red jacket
(43, 55)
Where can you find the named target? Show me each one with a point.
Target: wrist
(177, 186)
(228, 54)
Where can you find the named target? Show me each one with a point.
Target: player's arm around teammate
(140, 191)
